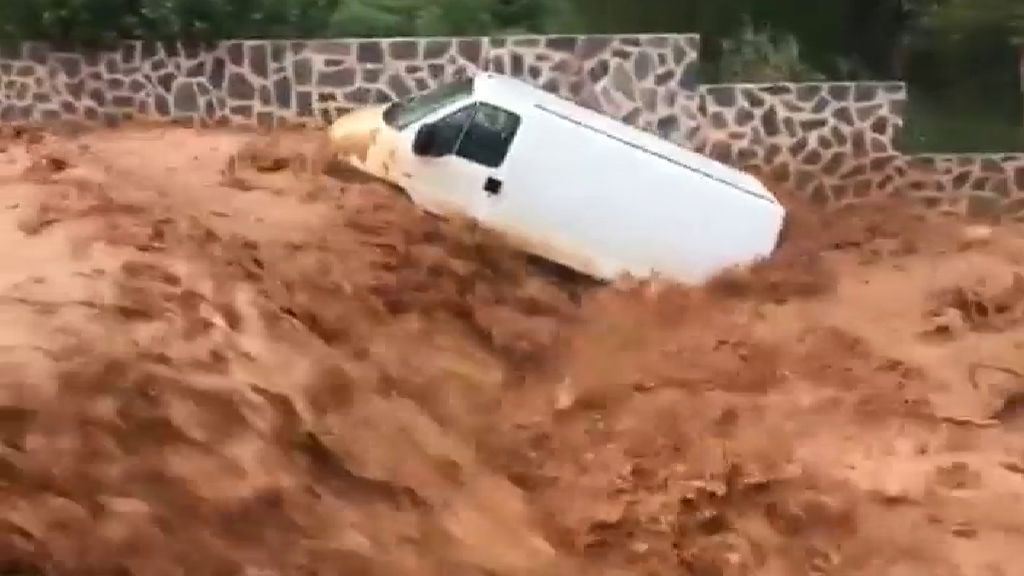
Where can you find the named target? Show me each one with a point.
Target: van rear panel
(624, 210)
(634, 137)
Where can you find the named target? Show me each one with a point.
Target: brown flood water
(218, 360)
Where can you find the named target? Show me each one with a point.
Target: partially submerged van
(564, 182)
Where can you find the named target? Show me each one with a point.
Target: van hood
(363, 140)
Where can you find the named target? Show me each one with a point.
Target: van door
(564, 201)
(479, 136)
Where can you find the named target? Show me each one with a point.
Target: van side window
(489, 136)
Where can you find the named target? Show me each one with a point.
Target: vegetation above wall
(98, 21)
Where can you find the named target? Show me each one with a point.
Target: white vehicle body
(564, 182)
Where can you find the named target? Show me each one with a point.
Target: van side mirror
(428, 142)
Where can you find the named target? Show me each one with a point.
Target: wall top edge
(1017, 156)
(768, 85)
(378, 39)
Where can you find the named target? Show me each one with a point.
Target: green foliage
(754, 55)
(66, 20)
(935, 124)
(98, 21)
(956, 18)
(354, 18)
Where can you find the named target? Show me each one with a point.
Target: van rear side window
(481, 133)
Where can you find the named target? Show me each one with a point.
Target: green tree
(962, 17)
(449, 17)
(68, 20)
(96, 21)
(356, 18)
(954, 40)
(759, 55)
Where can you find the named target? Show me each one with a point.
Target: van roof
(514, 92)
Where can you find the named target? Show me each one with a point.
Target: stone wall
(646, 80)
(835, 142)
(839, 143)
(980, 185)
(817, 138)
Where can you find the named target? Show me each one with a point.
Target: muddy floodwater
(221, 355)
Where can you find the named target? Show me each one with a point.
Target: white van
(564, 182)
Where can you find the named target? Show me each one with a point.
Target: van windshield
(403, 113)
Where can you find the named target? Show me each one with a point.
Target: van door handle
(492, 186)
